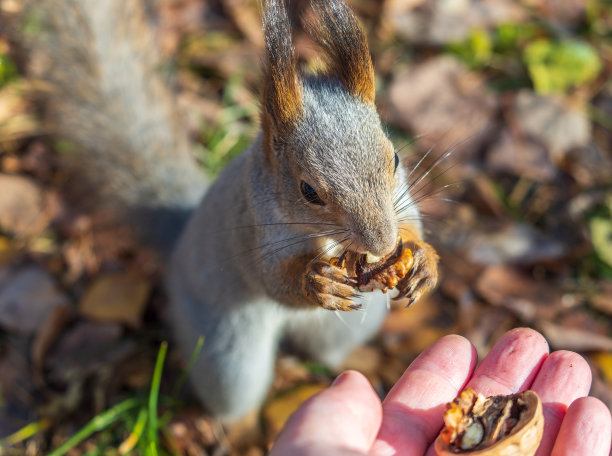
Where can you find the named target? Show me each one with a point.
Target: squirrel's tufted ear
(282, 91)
(337, 31)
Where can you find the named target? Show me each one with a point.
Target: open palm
(349, 419)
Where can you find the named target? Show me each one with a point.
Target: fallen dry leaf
(193, 433)
(364, 359)
(24, 207)
(6, 251)
(245, 16)
(436, 22)
(602, 301)
(520, 157)
(87, 349)
(16, 122)
(28, 296)
(516, 243)
(604, 363)
(574, 339)
(403, 321)
(565, 12)
(277, 411)
(18, 397)
(528, 299)
(600, 387)
(445, 103)
(549, 121)
(48, 334)
(116, 298)
(491, 324)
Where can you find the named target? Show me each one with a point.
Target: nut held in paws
(384, 274)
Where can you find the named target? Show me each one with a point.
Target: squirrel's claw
(328, 286)
(424, 274)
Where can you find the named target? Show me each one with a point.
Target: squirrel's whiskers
(247, 259)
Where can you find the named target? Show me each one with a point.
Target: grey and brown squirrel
(248, 257)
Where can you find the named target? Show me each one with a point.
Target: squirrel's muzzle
(375, 239)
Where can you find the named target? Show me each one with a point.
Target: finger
(343, 419)
(586, 429)
(512, 364)
(412, 411)
(564, 377)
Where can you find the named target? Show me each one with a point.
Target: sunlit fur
(282, 92)
(339, 148)
(237, 272)
(337, 31)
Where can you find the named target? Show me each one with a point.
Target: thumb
(343, 419)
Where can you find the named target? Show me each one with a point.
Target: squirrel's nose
(377, 241)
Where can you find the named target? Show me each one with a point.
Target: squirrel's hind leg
(234, 369)
(328, 336)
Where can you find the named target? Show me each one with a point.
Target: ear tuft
(338, 32)
(282, 93)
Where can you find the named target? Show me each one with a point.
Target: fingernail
(340, 378)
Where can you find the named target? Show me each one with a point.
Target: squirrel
(248, 256)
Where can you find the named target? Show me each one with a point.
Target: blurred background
(520, 212)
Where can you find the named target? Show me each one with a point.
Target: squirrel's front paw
(329, 287)
(424, 274)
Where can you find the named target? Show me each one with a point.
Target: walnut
(493, 426)
(383, 275)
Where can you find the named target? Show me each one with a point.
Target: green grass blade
(24, 433)
(153, 399)
(132, 440)
(98, 423)
(192, 359)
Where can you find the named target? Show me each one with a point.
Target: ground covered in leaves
(520, 212)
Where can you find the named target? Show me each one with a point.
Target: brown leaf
(445, 103)
(435, 22)
(491, 324)
(602, 301)
(603, 361)
(575, 339)
(527, 299)
(290, 371)
(24, 208)
(277, 411)
(16, 122)
(27, 298)
(18, 400)
(549, 121)
(601, 390)
(516, 243)
(403, 321)
(562, 12)
(48, 335)
(117, 298)
(6, 251)
(85, 349)
(391, 370)
(244, 14)
(192, 432)
(364, 359)
(519, 157)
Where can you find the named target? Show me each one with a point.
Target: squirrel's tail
(106, 100)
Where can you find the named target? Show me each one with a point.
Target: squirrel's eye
(396, 161)
(310, 195)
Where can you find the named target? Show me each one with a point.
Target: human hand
(348, 419)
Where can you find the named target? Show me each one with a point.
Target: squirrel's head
(322, 135)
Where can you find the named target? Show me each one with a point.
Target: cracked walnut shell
(493, 426)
